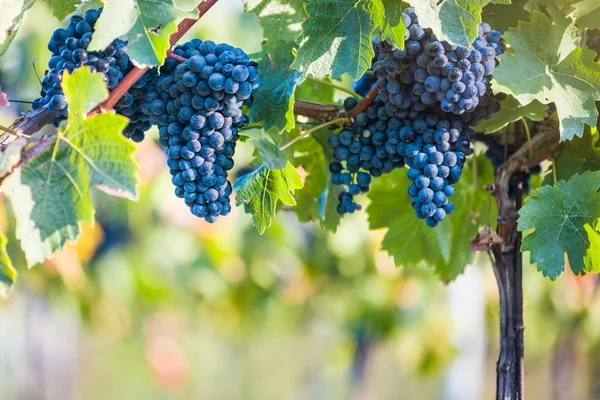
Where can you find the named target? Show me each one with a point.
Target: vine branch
(326, 112)
(310, 131)
(547, 134)
(507, 258)
(363, 104)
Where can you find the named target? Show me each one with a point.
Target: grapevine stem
(20, 101)
(364, 103)
(474, 178)
(528, 133)
(174, 56)
(336, 86)
(554, 170)
(326, 104)
(12, 132)
(309, 132)
(35, 70)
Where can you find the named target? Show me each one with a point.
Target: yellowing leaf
(261, 190)
(50, 187)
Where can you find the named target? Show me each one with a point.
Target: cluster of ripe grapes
(197, 105)
(430, 94)
(69, 49)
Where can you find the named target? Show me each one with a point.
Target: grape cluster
(428, 73)
(366, 149)
(430, 94)
(197, 106)
(135, 105)
(434, 146)
(69, 52)
(436, 158)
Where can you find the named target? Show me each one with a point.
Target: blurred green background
(152, 303)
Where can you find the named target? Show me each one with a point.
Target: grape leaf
(50, 187)
(62, 8)
(452, 20)
(548, 66)
(8, 274)
(11, 154)
(145, 24)
(272, 157)
(587, 14)
(409, 241)
(273, 104)
(89, 5)
(11, 16)
(280, 19)
(318, 199)
(316, 91)
(261, 190)
(387, 16)
(336, 38)
(576, 157)
(511, 111)
(501, 17)
(592, 254)
(557, 215)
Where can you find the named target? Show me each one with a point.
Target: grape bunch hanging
(430, 95)
(197, 106)
(69, 49)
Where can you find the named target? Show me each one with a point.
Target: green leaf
(587, 14)
(501, 17)
(62, 8)
(592, 254)
(11, 16)
(50, 188)
(273, 104)
(280, 19)
(318, 199)
(452, 20)
(557, 216)
(8, 274)
(261, 190)
(387, 15)
(336, 38)
(315, 91)
(410, 241)
(576, 157)
(272, 157)
(145, 24)
(548, 66)
(510, 111)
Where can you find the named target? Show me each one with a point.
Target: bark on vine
(507, 260)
